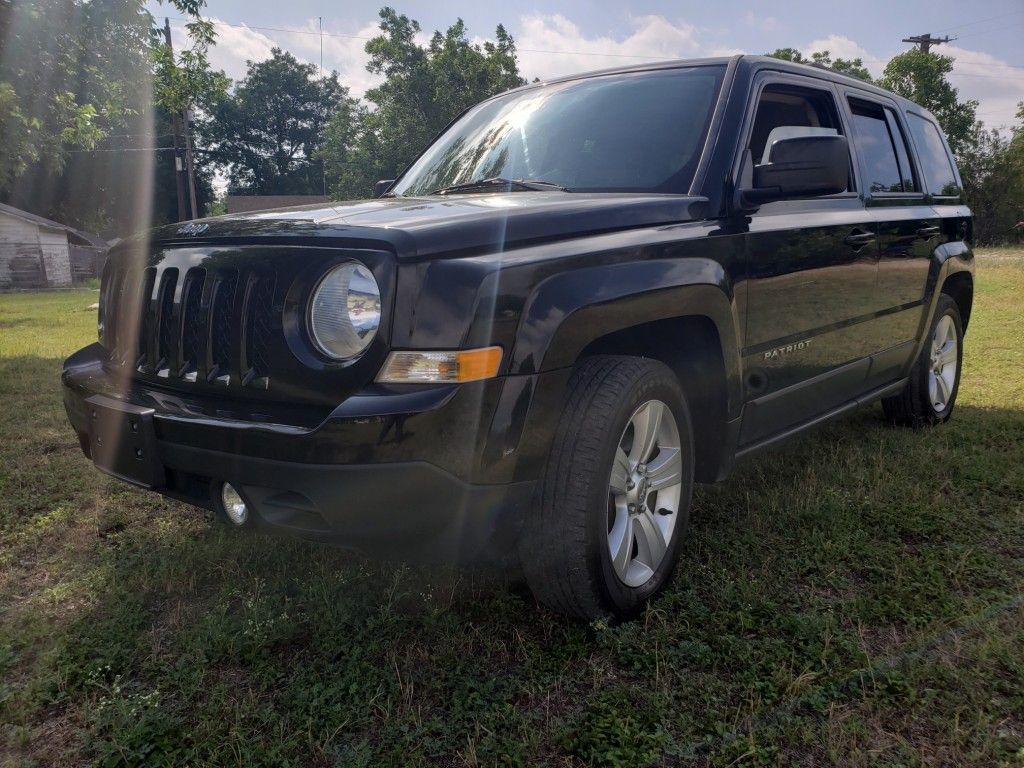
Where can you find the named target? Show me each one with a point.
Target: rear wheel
(931, 392)
(614, 499)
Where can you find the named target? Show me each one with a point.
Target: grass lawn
(855, 597)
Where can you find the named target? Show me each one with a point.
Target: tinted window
(637, 132)
(935, 163)
(876, 148)
(784, 111)
(902, 151)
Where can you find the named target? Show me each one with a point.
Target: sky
(556, 37)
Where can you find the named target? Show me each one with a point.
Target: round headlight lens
(344, 313)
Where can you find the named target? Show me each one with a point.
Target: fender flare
(947, 260)
(570, 310)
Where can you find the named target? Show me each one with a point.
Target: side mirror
(382, 186)
(801, 166)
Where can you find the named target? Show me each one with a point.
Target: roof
(756, 62)
(84, 238)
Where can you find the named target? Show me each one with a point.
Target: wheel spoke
(646, 424)
(666, 469)
(944, 389)
(620, 541)
(933, 388)
(947, 353)
(649, 539)
(620, 472)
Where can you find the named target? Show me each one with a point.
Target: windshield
(637, 132)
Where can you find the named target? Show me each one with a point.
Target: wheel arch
(960, 287)
(690, 345)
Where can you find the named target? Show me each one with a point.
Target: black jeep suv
(582, 297)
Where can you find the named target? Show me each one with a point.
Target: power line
(980, 21)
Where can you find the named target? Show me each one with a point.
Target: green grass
(854, 598)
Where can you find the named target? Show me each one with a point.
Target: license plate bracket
(122, 441)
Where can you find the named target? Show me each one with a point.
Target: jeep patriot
(584, 296)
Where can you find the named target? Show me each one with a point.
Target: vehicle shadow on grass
(852, 545)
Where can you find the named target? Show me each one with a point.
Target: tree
(267, 133)
(921, 77)
(82, 87)
(424, 88)
(992, 168)
(854, 67)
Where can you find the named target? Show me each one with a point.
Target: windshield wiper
(498, 183)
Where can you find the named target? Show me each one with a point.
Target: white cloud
(343, 52)
(842, 47)
(552, 45)
(994, 83)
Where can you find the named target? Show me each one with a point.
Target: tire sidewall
(621, 599)
(946, 307)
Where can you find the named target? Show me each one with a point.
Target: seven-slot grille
(195, 325)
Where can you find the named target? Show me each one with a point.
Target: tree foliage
(267, 133)
(922, 78)
(854, 67)
(85, 89)
(992, 168)
(424, 88)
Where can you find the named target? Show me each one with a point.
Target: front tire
(931, 392)
(614, 499)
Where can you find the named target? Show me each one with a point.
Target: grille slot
(258, 328)
(143, 320)
(222, 329)
(166, 349)
(193, 323)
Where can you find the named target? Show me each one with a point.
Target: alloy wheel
(643, 493)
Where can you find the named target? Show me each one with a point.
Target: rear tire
(619, 479)
(930, 394)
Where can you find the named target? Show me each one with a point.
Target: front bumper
(430, 472)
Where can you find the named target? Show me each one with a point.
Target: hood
(419, 227)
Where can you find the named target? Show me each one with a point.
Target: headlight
(344, 313)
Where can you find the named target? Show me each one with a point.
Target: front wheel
(614, 499)
(934, 381)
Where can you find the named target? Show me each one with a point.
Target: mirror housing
(382, 187)
(801, 166)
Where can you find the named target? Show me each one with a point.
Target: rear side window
(935, 163)
(881, 145)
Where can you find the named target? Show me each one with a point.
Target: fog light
(234, 506)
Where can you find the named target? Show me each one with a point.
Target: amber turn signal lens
(457, 366)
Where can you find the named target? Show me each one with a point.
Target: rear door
(811, 274)
(906, 224)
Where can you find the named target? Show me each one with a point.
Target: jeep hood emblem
(193, 229)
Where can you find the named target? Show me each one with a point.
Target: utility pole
(190, 166)
(925, 42)
(182, 152)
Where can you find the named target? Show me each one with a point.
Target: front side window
(935, 163)
(785, 111)
(877, 148)
(636, 132)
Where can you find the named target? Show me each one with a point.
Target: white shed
(37, 252)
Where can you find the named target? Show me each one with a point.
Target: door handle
(928, 233)
(859, 239)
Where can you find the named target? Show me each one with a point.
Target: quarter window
(935, 163)
(882, 148)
